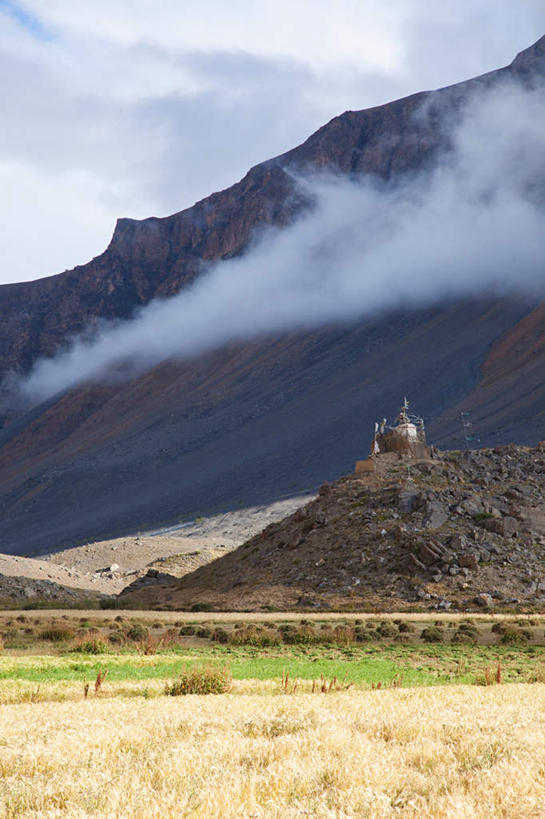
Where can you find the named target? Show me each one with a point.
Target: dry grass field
(430, 752)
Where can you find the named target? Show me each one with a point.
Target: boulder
(485, 600)
(428, 554)
(435, 515)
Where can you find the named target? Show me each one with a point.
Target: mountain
(251, 422)
(463, 530)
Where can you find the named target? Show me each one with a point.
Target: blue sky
(25, 18)
(141, 107)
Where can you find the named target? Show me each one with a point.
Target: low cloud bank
(475, 224)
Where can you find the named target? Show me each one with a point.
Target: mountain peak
(531, 60)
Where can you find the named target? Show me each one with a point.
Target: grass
(428, 752)
(408, 728)
(423, 665)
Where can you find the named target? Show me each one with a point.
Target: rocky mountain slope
(464, 530)
(249, 423)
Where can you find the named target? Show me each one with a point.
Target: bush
(137, 632)
(469, 628)
(513, 636)
(56, 634)
(201, 607)
(205, 633)
(201, 680)
(300, 636)
(187, 631)
(254, 637)
(464, 636)
(96, 646)
(432, 634)
(365, 636)
(405, 627)
(219, 635)
(342, 635)
(387, 630)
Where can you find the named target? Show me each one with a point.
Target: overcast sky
(141, 107)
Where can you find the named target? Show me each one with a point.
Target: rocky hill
(463, 530)
(252, 422)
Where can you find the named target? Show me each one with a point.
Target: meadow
(327, 717)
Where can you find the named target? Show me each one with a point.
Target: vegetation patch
(200, 680)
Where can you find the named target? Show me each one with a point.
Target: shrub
(201, 607)
(116, 638)
(300, 636)
(200, 680)
(150, 645)
(56, 634)
(469, 628)
(137, 632)
(253, 637)
(343, 635)
(204, 633)
(96, 646)
(387, 630)
(405, 627)
(432, 634)
(512, 635)
(462, 636)
(187, 631)
(365, 635)
(219, 635)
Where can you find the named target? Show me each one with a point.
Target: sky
(141, 107)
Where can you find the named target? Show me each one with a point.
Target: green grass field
(407, 665)
(59, 652)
